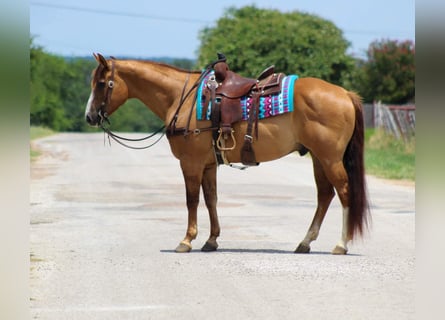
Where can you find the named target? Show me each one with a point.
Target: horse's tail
(353, 161)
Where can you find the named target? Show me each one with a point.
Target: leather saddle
(223, 94)
(227, 88)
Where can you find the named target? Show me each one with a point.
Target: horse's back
(318, 93)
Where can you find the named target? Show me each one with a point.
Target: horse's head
(108, 92)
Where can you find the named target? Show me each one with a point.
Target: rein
(118, 139)
(104, 118)
(171, 128)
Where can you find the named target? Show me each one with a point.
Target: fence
(400, 121)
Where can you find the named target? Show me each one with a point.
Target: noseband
(109, 90)
(172, 126)
(102, 113)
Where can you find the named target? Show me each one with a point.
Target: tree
(75, 92)
(389, 73)
(46, 104)
(59, 92)
(184, 63)
(296, 43)
(134, 116)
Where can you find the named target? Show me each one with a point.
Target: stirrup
(221, 145)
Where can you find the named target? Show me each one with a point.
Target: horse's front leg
(192, 178)
(210, 196)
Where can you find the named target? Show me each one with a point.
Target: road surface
(105, 221)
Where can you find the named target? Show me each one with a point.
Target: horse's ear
(100, 58)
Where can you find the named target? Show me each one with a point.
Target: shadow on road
(266, 251)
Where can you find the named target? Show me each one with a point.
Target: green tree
(389, 73)
(60, 88)
(134, 116)
(75, 92)
(46, 87)
(186, 64)
(296, 43)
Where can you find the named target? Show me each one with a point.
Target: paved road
(105, 221)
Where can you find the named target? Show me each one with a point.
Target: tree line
(252, 39)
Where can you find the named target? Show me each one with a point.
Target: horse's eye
(101, 84)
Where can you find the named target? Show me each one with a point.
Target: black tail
(353, 160)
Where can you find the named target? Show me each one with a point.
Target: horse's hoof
(183, 247)
(339, 250)
(303, 248)
(209, 246)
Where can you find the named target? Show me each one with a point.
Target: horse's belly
(276, 138)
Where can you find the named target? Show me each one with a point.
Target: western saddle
(223, 94)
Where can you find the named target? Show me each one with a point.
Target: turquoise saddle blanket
(270, 106)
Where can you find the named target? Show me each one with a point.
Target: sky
(144, 29)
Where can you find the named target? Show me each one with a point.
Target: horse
(327, 121)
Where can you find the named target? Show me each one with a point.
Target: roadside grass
(385, 156)
(389, 158)
(36, 133)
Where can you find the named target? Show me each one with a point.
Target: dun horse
(327, 121)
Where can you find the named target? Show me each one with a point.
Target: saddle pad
(270, 106)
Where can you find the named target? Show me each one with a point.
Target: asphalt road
(105, 222)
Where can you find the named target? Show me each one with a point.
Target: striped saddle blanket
(270, 106)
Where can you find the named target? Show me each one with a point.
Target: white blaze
(90, 101)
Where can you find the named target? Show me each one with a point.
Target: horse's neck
(158, 86)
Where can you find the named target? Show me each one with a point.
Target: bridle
(102, 113)
(109, 90)
(172, 130)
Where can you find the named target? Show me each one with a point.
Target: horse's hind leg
(325, 193)
(336, 173)
(210, 196)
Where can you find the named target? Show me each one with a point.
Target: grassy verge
(35, 133)
(387, 157)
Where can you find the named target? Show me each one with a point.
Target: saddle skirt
(269, 106)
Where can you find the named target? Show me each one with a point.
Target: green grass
(39, 132)
(387, 157)
(36, 133)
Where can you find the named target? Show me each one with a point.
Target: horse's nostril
(88, 119)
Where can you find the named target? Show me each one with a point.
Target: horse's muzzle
(92, 120)
(97, 119)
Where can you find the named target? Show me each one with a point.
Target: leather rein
(105, 123)
(171, 128)
(104, 118)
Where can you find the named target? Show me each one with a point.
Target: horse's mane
(168, 66)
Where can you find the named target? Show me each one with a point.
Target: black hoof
(208, 247)
(303, 248)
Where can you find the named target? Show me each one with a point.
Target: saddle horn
(221, 57)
